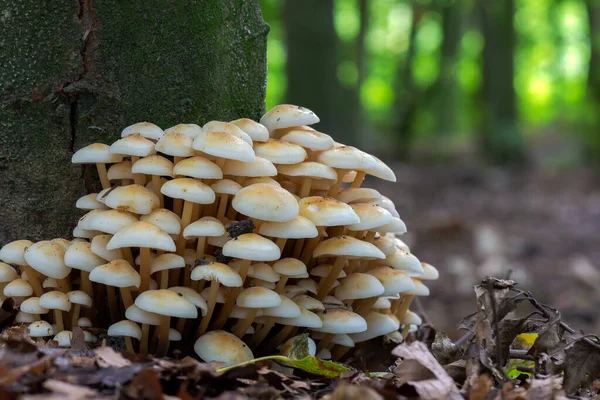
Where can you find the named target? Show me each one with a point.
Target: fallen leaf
(354, 392)
(78, 340)
(480, 387)
(582, 366)
(107, 357)
(145, 386)
(75, 392)
(549, 388)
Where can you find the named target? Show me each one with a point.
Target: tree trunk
(501, 139)
(77, 72)
(312, 60)
(591, 137)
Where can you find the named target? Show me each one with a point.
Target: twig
(521, 354)
(464, 338)
(498, 346)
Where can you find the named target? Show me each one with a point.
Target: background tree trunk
(77, 72)
(590, 130)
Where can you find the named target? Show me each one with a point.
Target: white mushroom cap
(260, 167)
(382, 171)
(216, 271)
(226, 186)
(40, 329)
(430, 273)
(153, 165)
(419, 290)
(133, 145)
(165, 219)
(287, 115)
(7, 273)
(258, 297)
(347, 246)
(89, 202)
(287, 309)
(338, 320)
(279, 152)
(382, 303)
(84, 322)
(394, 281)
(81, 257)
(194, 297)
(205, 226)
(64, 338)
(290, 267)
(310, 303)
(134, 313)
(291, 291)
(221, 294)
(222, 347)
(223, 145)
(378, 325)
(306, 137)
(308, 284)
(18, 288)
(251, 246)
(395, 226)
(167, 261)
(175, 144)
(89, 337)
(359, 286)
(341, 339)
(189, 130)
(125, 328)
(188, 189)
(385, 244)
(371, 217)
(405, 262)
(132, 198)
(25, 318)
(289, 344)
(347, 157)
(108, 221)
(79, 233)
(99, 244)
(146, 129)
(226, 127)
(116, 171)
(411, 318)
(264, 272)
(261, 283)
(166, 302)
(49, 283)
(80, 297)
(297, 228)
(324, 354)
(95, 153)
(47, 257)
(198, 167)
(306, 319)
(14, 252)
(174, 336)
(258, 132)
(55, 300)
(324, 211)
(309, 169)
(142, 234)
(118, 273)
(324, 270)
(266, 202)
(32, 306)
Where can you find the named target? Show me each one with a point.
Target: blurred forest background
(487, 110)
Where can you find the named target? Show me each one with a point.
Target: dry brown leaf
(145, 386)
(549, 388)
(74, 392)
(354, 392)
(107, 357)
(428, 377)
(480, 387)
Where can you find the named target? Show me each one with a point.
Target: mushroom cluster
(234, 236)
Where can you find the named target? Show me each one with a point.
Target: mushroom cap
(136, 314)
(174, 336)
(165, 219)
(118, 273)
(222, 347)
(80, 297)
(47, 257)
(40, 329)
(288, 115)
(188, 189)
(14, 252)
(325, 211)
(84, 322)
(194, 297)
(306, 137)
(167, 261)
(308, 169)
(120, 171)
(323, 270)
(63, 242)
(290, 267)
(266, 202)
(107, 221)
(261, 283)
(142, 234)
(287, 309)
(99, 244)
(430, 273)
(287, 347)
(153, 165)
(64, 338)
(381, 170)
(359, 286)
(189, 130)
(227, 127)
(96, 153)
(411, 318)
(347, 246)
(403, 261)
(32, 306)
(386, 203)
(262, 179)
(307, 319)
(308, 284)
(258, 297)
(219, 272)
(264, 272)
(257, 168)
(310, 303)
(386, 245)
(400, 244)
(175, 144)
(291, 291)
(221, 294)
(89, 202)
(371, 217)
(146, 129)
(396, 225)
(279, 152)
(358, 195)
(226, 186)
(223, 145)
(382, 303)
(378, 325)
(198, 167)
(297, 228)
(205, 226)
(7, 273)
(419, 290)
(251, 246)
(218, 241)
(243, 312)
(332, 302)
(394, 281)
(256, 131)
(166, 302)
(341, 339)
(125, 328)
(55, 300)
(132, 198)
(133, 145)
(338, 320)
(49, 283)
(25, 318)
(347, 157)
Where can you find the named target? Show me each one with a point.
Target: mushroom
(223, 347)
(132, 198)
(254, 298)
(279, 152)
(14, 253)
(306, 319)
(241, 170)
(135, 146)
(118, 273)
(264, 202)
(165, 263)
(64, 338)
(7, 274)
(307, 172)
(146, 129)
(119, 172)
(166, 304)
(32, 306)
(25, 318)
(40, 329)
(337, 321)
(156, 167)
(79, 298)
(223, 146)
(360, 286)
(189, 130)
(18, 289)
(90, 202)
(297, 228)
(84, 322)
(195, 298)
(81, 257)
(343, 159)
(226, 127)
(288, 115)
(100, 155)
(287, 309)
(201, 229)
(225, 188)
(256, 131)
(136, 314)
(57, 302)
(126, 329)
(47, 258)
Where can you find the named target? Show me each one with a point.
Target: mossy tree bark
(77, 72)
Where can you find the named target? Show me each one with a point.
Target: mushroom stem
(358, 180)
(129, 344)
(230, 302)
(261, 334)
(196, 212)
(126, 297)
(156, 185)
(34, 281)
(103, 175)
(405, 331)
(127, 255)
(144, 269)
(369, 237)
(326, 283)
(164, 279)
(180, 327)
(212, 300)
(163, 336)
(401, 313)
(138, 179)
(86, 284)
(220, 162)
(243, 325)
(222, 206)
(305, 188)
(298, 248)
(280, 337)
(58, 320)
(75, 317)
(241, 180)
(335, 188)
(144, 339)
(281, 284)
(395, 304)
(63, 285)
(280, 242)
(364, 306)
(309, 247)
(112, 303)
(338, 351)
(188, 208)
(323, 343)
(200, 246)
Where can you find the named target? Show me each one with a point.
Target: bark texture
(77, 72)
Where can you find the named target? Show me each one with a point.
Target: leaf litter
(503, 355)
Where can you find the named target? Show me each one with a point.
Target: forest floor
(540, 229)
